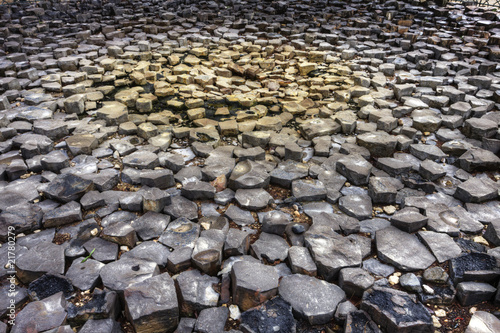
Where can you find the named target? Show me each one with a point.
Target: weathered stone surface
(43, 258)
(399, 248)
(196, 291)
(68, 187)
(42, 315)
(121, 274)
(312, 299)
(483, 322)
(396, 311)
(151, 305)
(253, 199)
(273, 315)
(253, 283)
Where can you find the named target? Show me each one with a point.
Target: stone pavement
(250, 166)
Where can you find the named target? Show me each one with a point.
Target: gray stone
(471, 293)
(150, 250)
(150, 225)
(253, 199)
(358, 206)
(274, 315)
(380, 144)
(151, 305)
(408, 219)
(42, 315)
(84, 275)
(312, 299)
(410, 282)
(180, 233)
(360, 322)
(270, 247)
(65, 214)
(275, 222)
(442, 246)
(198, 190)
(483, 322)
(119, 275)
(142, 160)
(43, 258)
(396, 311)
(67, 187)
(355, 168)
(212, 320)
(354, 281)
(247, 175)
(196, 291)
(253, 283)
(477, 190)
(398, 248)
(492, 234)
(308, 190)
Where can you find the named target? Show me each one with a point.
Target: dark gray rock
(358, 206)
(67, 187)
(141, 160)
(43, 258)
(471, 293)
(360, 322)
(402, 250)
(274, 315)
(196, 291)
(84, 275)
(411, 283)
(198, 191)
(253, 199)
(180, 233)
(103, 304)
(355, 168)
(101, 325)
(104, 251)
(239, 216)
(301, 261)
(270, 247)
(288, 171)
(42, 315)
(354, 281)
(212, 320)
(253, 283)
(65, 214)
(119, 275)
(441, 245)
(474, 267)
(275, 222)
(150, 250)
(181, 207)
(248, 174)
(308, 190)
(492, 234)
(48, 285)
(150, 225)
(24, 217)
(408, 219)
(237, 243)
(312, 299)
(478, 159)
(151, 305)
(377, 268)
(161, 179)
(396, 311)
(477, 190)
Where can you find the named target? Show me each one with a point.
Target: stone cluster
(250, 166)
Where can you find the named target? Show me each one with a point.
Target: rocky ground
(249, 166)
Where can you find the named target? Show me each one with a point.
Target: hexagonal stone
(288, 171)
(253, 199)
(150, 225)
(248, 174)
(354, 281)
(84, 275)
(358, 206)
(182, 207)
(180, 233)
(312, 299)
(384, 190)
(121, 233)
(114, 113)
(275, 222)
(477, 190)
(23, 217)
(43, 258)
(478, 159)
(81, 144)
(396, 311)
(151, 305)
(355, 168)
(196, 291)
(319, 127)
(270, 247)
(42, 315)
(212, 320)
(65, 214)
(442, 246)
(379, 143)
(142, 160)
(119, 275)
(253, 283)
(67, 187)
(402, 250)
(470, 293)
(308, 190)
(408, 219)
(102, 250)
(198, 190)
(331, 251)
(274, 315)
(161, 179)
